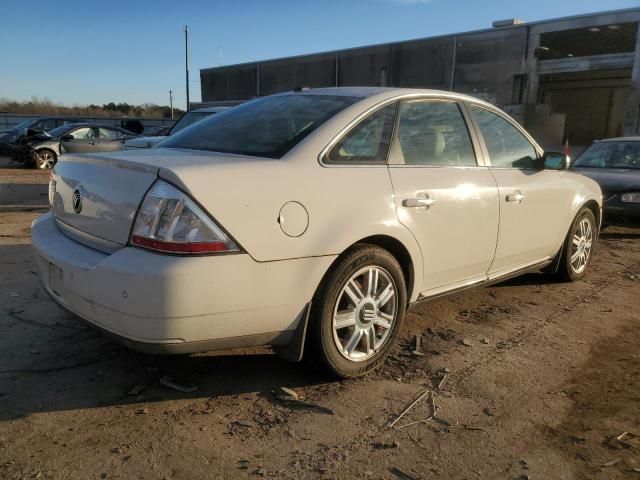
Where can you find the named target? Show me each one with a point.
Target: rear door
(533, 201)
(80, 140)
(110, 139)
(443, 193)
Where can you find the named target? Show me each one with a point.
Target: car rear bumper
(175, 304)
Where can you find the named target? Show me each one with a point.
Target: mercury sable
(309, 221)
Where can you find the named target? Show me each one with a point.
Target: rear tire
(357, 312)
(578, 246)
(45, 159)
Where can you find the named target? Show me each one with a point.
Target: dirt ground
(547, 377)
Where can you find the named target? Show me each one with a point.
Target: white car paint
(469, 235)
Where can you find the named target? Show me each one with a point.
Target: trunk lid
(113, 185)
(99, 195)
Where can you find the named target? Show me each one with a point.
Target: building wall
(501, 65)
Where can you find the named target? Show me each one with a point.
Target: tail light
(169, 221)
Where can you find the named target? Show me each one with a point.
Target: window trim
(324, 154)
(485, 151)
(350, 126)
(475, 145)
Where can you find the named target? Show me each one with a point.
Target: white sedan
(309, 221)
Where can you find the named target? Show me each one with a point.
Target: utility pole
(186, 61)
(171, 102)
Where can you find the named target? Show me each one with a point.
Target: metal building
(575, 77)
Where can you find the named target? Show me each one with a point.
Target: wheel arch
(396, 248)
(595, 209)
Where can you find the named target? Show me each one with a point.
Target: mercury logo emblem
(367, 313)
(77, 199)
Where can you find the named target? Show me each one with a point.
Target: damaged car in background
(309, 221)
(10, 137)
(42, 150)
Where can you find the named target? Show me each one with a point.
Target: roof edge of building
(435, 37)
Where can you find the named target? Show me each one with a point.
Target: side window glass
(368, 142)
(434, 133)
(507, 147)
(49, 124)
(107, 133)
(83, 133)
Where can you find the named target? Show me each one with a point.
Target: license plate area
(56, 279)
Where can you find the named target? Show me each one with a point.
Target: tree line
(44, 106)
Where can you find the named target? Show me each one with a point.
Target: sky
(82, 52)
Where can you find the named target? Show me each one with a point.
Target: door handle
(516, 197)
(421, 200)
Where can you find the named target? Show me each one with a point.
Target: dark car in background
(615, 164)
(186, 120)
(44, 149)
(31, 126)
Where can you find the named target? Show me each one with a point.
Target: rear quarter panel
(344, 205)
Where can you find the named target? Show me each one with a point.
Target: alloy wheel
(581, 244)
(364, 314)
(46, 160)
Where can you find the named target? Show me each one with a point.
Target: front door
(80, 140)
(443, 195)
(533, 201)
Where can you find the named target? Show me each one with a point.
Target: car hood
(8, 135)
(143, 142)
(613, 180)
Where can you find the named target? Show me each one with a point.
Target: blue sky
(81, 52)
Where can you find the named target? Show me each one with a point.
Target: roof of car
(620, 139)
(384, 92)
(210, 109)
(89, 124)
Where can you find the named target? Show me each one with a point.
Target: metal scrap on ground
(166, 381)
(416, 350)
(291, 399)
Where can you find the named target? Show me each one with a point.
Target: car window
(434, 133)
(367, 142)
(610, 155)
(84, 133)
(107, 133)
(267, 127)
(507, 147)
(49, 124)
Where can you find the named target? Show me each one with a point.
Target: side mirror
(556, 161)
(67, 138)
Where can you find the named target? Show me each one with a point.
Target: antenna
(220, 54)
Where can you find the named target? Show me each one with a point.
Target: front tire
(357, 312)
(45, 159)
(578, 246)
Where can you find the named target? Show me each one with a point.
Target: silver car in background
(186, 120)
(309, 221)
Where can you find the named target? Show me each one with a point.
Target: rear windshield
(610, 155)
(267, 127)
